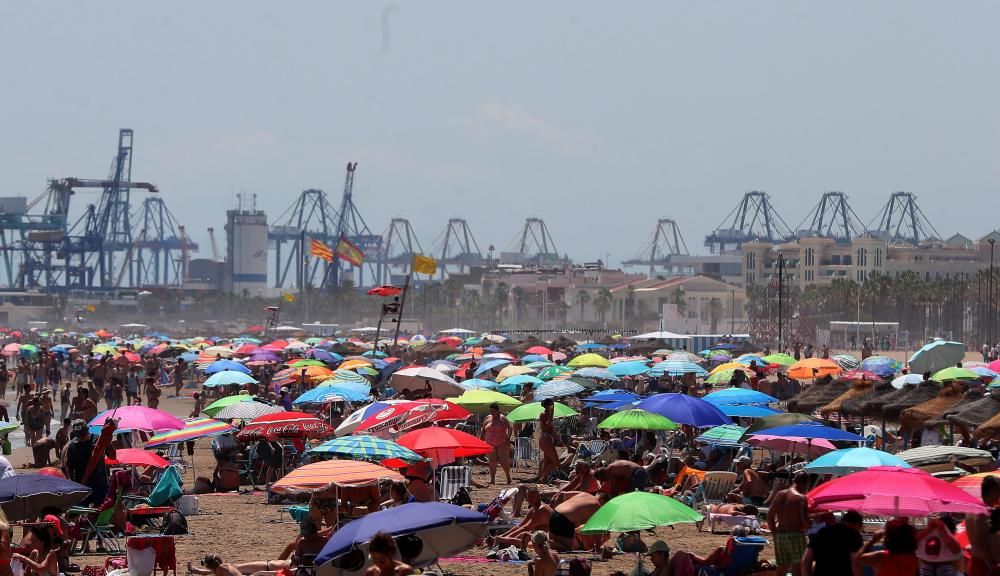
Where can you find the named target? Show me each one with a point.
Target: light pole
(989, 289)
(781, 290)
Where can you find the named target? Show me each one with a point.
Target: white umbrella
(418, 377)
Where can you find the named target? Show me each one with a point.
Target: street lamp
(781, 289)
(989, 289)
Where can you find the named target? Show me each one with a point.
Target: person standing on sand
(152, 393)
(179, 376)
(788, 520)
(496, 432)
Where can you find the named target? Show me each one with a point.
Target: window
(751, 261)
(878, 257)
(809, 275)
(810, 256)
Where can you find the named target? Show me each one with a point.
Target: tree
(715, 310)
(677, 299)
(602, 303)
(582, 298)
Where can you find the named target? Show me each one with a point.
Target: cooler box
(188, 505)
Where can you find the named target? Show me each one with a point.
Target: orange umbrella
(973, 483)
(348, 364)
(312, 374)
(813, 368)
(322, 475)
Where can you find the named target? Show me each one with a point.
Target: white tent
(662, 335)
(456, 331)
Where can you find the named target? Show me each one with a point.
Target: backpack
(462, 497)
(174, 523)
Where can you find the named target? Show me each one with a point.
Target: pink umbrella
(792, 444)
(140, 418)
(893, 491)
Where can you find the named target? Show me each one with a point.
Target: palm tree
(678, 300)
(715, 310)
(602, 303)
(582, 297)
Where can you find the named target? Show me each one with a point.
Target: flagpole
(402, 305)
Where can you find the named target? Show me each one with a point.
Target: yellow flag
(424, 265)
(91, 308)
(288, 296)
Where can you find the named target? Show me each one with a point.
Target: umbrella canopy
(812, 430)
(324, 394)
(400, 416)
(140, 418)
(442, 530)
(589, 360)
(841, 462)
(363, 447)
(726, 435)
(636, 420)
(477, 384)
(514, 384)
(893, 491)
(228, 378)
(881, 365)
(785, 419)
(478, 401)
(738, 396)
(23, 496)
(512, 370)
(747, 411)
(684, 409)
(558, 389)
(954, 373)
(246, 410)
(323, 475)
(136, 457)
(491, 364)
(726, 376)
(193, 428)
(793, 445)
(427, 441)
(781, 359)
(283, 425)
(907, 379)
(596, 373)
(813, 368)
(533, 410)
(223, 365)
(418, 377)
(553, 371)
(638, 511)
(542, 350)
(973, 483)
(630, 368)
(678, 368)
(937, 355)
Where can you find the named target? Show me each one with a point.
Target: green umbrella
(638, 511)
(780, 359)
(541, 365)
(553, 371)
(637, 420)
(306, 362)
(534, 410)
(775, 421)
(954, 373)
(728, 434)
(479, 401)
(214, 408)
(724, 376)
(585, 382)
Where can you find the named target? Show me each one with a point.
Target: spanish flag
(349, 252)
(320, 250)
(424, 265)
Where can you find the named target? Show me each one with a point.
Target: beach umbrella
(324, 394)
(738, 396)
(214, 408)
(780, 359)
(354, 419)
(636, 420)
(533, 410)
(306, 362)
(535, 361)
(954, 373)
(813, 368)
(893, 491)
(907, 379)
(363, 447)
(11, 349)
(683, 356)
(23, 496)
(848, 460)
(982, 372)
(511, 370)
(858, 375)
(639, 511)
(223, 365)
(228, 378)
(937, 355)
(542, 350)
(747, 411)
(417, 377)
(726, 376)
(846, 361)
(324, 355)
(729, 366)
(429, 441)
(725, 435)
(585, 382)
(611, 396)
(193, 429)
(514, 384)
(478, 401)
(283, 425)
(596, 373)
(748, 358)
(477, 384)
(973, 483)
(684, 409)
(491, 364)
(361, 387)
(246, 410)
(136, 457)
(792, 444)
(435, 530)
(589, 360)
(814, 430)
(881, 365)
(323, 475)
(775, 421)
(631, 368)
(400, 416)
(139, 418)
(553, 371)
(677, 368)
(444, 410)
(558, 389)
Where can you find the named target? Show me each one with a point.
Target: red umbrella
(431, 439)
(444, 411)
(136, 457)
(385, 291)
(859, 376)
(893, 491)
(400, 416)
(255, 328)
(284, 425)
(539, 350)
(245, 349)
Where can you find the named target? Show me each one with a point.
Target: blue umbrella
(747, 411)
(324, 394)
(984, 372)
(533, 358)
(514, 384)
(841, 462)
(632, 368)
(881, 365)
(477, 384)
(937, 355)
(363, 388)
(812, 430)
(591, 346)
(490, 364)
(738, 396)
(593, 372)
(442, 529)
(324, 355)
(611, 396)
(24, 495)
(365, 447)
(222, 365)
(677, 368)
(228, 378)
(748, 358)
(684, 409)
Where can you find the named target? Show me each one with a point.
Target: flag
(349, 252)
(320, 250)
(91, 308)
(424, 265)
(288, 297)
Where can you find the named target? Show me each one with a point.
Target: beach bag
(174, 523)
(630, 542)
(462, 497)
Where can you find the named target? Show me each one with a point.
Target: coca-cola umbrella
(419, 377)
(284, 425)
(399, 417)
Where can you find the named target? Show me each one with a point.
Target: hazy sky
(599, 117)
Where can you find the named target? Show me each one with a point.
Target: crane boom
(215, 247)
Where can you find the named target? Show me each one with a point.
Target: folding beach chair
(713, 489)
(96, 524)
(742, 557)
(451, 479)
(525, 450)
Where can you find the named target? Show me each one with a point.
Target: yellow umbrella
(589, 360)
(512, 370)
(726, 366)
(348, 364)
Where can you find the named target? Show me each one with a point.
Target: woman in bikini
(547, 440)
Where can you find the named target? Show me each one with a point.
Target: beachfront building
(684, 305)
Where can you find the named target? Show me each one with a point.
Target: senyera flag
(285, 425)
(320, 250)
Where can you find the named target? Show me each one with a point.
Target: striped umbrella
(320, 475)
(215, 407)
(363, 447)
(246, 411)
(726, 435)
(846, 361)
(598, 373)
(558, 389)
(193, 428)
(677, 368)
(350, 375)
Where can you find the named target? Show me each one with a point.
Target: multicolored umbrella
(638, 511)
(881, 365)
(214, 408)
(775, 421)
(323, 475)
(247, 410)
(846, 361)
(553, 371)
(858, 375)
(363, 447)
(725, 435)
(283, 425)
(636, 420)
(193, 429)
(533, 410)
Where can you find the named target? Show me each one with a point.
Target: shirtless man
(984, 541)
(83, 407)
(626, 476)
(752, 489)
(214, 566)
(582, 480)
(537, 518)
(570, 515)
(546, 560)
(788, 520)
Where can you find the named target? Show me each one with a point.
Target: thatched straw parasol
(969, 397)
(872, 406)
(976, 413)
(916, 418)
(808, 400)
(915, 395)
(856, 391)
(852, 406)
(990, 429)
